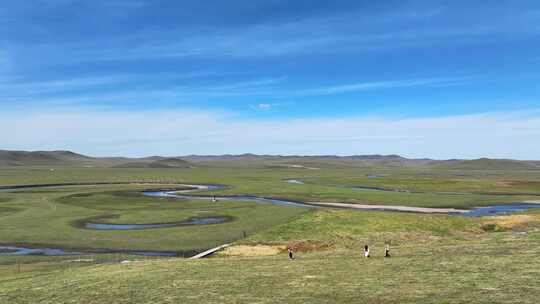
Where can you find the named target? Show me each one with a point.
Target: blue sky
(261, 65)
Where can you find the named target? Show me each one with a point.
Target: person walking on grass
(387, 251)
(366, 251)
(291, 254)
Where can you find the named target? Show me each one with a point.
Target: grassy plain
(436, 258)
(48, 217)
(322, 185)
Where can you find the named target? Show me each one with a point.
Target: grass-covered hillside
(435, 259)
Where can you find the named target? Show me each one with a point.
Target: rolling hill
(68, 158)
(172, 162)
(24, 158)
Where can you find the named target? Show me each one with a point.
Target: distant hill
(230, 157)
(24, 158)
(249, 156)
(314, 161)
(173, 162)
(310, 162)
(68, 158)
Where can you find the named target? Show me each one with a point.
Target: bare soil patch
(252, 250)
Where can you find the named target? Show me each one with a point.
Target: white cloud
(264, 106)
(178, 132)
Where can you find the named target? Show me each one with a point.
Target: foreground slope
(457, 263)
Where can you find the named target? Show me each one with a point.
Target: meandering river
(187, 194)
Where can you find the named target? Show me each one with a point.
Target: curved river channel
(211, 220)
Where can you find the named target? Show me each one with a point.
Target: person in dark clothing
(387, 251)
(291, 255)
(366, 251)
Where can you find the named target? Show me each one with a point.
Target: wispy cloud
(351, 32)
(59, 85)
(268, 87)
(341, 32)
(364, 86)
(19, 89)
(248, 84)
(265, 106)
(177, 132)
(346, 32)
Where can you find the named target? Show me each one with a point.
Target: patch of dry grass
(510, 222)
(309, 245)
(252, 250)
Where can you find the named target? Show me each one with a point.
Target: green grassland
(46, 216)
(436, 258)
(488, 186)
(49, 217)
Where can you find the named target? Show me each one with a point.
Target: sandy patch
(504, 183)
(256, 250)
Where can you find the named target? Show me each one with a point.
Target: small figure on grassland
(291, 254)
(387, 251)
(366, 251)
